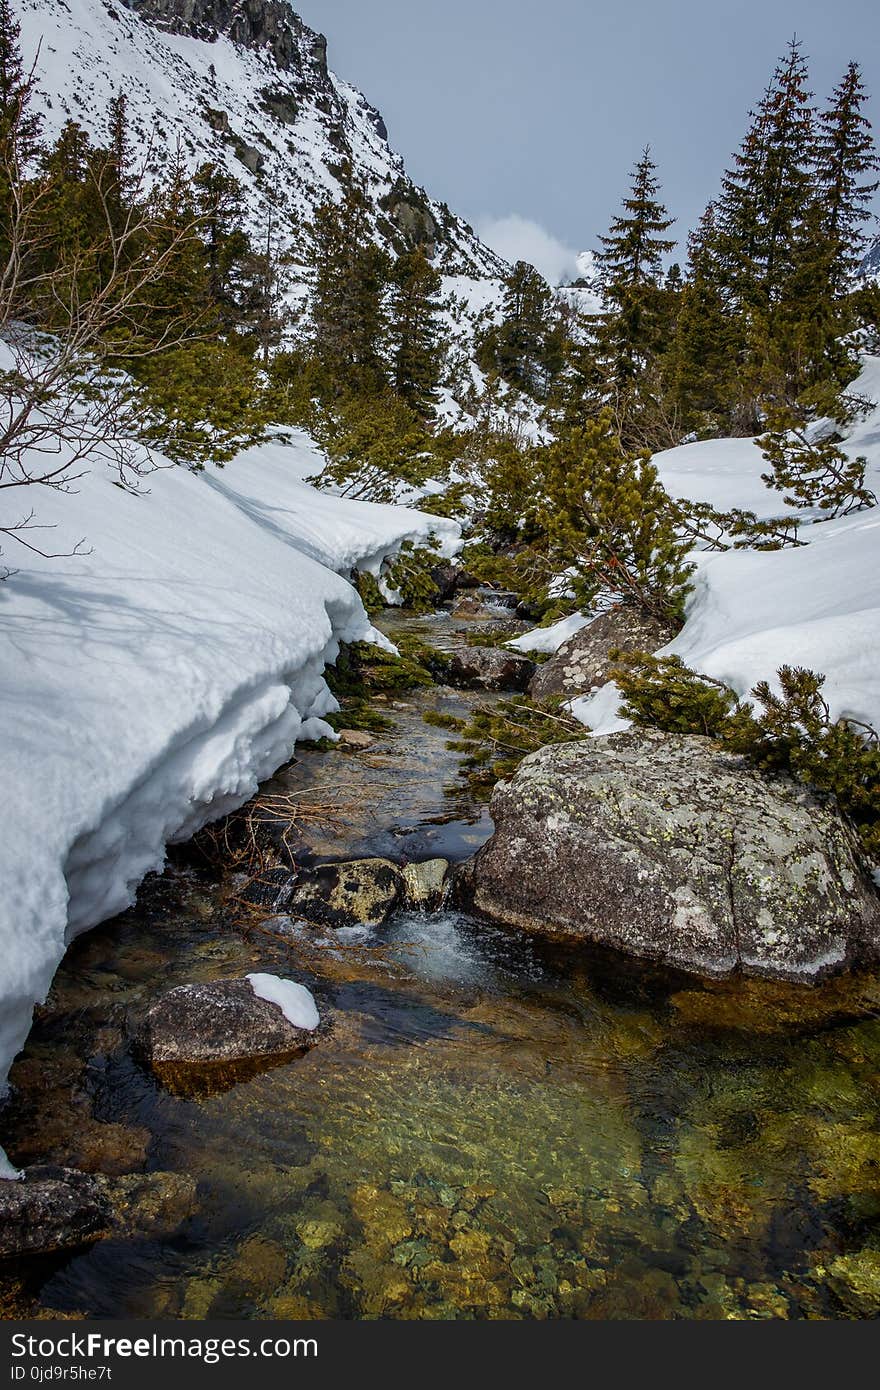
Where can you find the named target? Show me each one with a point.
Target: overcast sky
(527, 115)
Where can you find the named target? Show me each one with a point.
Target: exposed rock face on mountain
(269, 24)
(870, 267)
(666, 848)
(246, 84)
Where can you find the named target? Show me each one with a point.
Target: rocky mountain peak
(267, 24)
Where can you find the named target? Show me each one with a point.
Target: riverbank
(495, 1128)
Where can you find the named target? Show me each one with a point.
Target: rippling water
(492, 1128)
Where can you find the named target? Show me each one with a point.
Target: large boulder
(52, 1209)
(490, 668)
(585, 659)
(203, 1038)
(363, 892)
(670, 849)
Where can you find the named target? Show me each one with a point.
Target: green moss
(496, 738)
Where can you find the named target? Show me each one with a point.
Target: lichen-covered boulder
(670, 849)
(490, 668)
(52, 1209)
(584, 661)
(203, 1038)
(363, 892)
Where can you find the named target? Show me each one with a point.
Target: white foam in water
(446, 948)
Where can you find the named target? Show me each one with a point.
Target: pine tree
(19, 126)
(702, 356)
(265, 274)
(120, 179)
(180, 301)
(219, 207)
(630, 274)
(414, 331)
(610, 524)
(845, 160)
(349, 274)
(767, 191)
(524, 348)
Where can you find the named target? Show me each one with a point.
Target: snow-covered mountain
(870, 267)
(244, 83)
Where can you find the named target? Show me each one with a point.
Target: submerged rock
(150, 1204)
(363, 892)
(205, 1037)
(668, 848)
(490, 668)
(425, 884)
(584, 661)
(52, 1209)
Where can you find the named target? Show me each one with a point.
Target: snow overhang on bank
(149, 685)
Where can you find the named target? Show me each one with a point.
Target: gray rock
(356, 738)
(424, 885)
(206, 1037)
(52, 1209)
(490, 668)
(445, 576)
(585, 659)
(361, 893)
(667, 848)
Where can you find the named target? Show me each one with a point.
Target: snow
(265, 483)
(294, 1000)
(752, 611)
(727, 472)
(178, 87)
(148, 686)
(550, 639)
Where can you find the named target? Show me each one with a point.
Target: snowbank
(266, 484)
(148, 686)
(550, 639)
(753, 611)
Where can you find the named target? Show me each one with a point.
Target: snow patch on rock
(294, 1000)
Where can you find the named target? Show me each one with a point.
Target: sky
(526, 116)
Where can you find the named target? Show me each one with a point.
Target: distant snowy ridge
(149, 687)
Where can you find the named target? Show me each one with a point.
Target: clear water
(492, 1129)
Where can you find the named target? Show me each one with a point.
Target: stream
(492, 1128)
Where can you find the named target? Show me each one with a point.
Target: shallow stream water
(491, 1128)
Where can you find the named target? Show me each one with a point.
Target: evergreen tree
(349, 280)
(702, 355)
(766, 193)
(120, 179)
(19, 125)
(610, 523)
(631, 271)
(414, 330)
(845, 160)
(265, 314)
(219, 208)
(179, 302)
(632, 332)
(525, 347)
